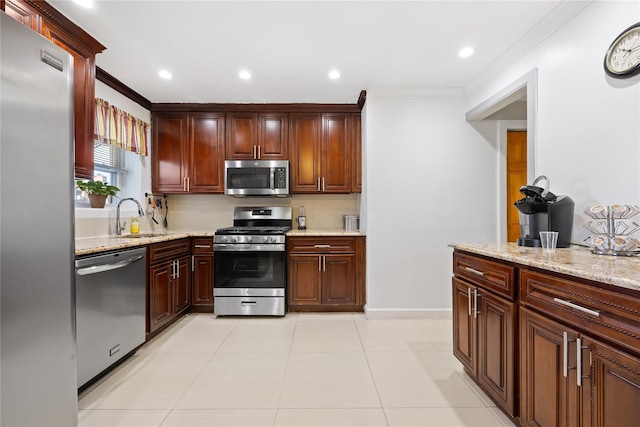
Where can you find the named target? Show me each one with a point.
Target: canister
(351, 222)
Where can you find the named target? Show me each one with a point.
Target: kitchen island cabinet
(326, 273)
(188, 153)
(484, 334)
(43, 18)
(169, 288)
(577, 326)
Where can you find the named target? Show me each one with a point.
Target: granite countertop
(575, 261)
(92, 245)
(323, 232)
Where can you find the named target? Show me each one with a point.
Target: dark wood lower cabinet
(484, 340)
(326, 274)
(169, 282)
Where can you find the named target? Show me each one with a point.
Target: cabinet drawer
(491, 275)
(612, 315)
(321, 244)
(202, 245)
(167, 250)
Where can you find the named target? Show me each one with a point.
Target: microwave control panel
(280, 178)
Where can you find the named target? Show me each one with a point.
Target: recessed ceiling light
(165, 74)
(84, 3)
(465, 52)
(334, 74)
(244, 75)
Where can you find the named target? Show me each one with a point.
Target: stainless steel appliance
(110, 309)
(250, 263)
(541, 210)
(256, 178)
(38, 351)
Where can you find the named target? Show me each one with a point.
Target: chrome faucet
(119, 228)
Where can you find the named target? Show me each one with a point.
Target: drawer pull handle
(321, 246)
(469, 300)
(577, 307)
(248, 302)
(474, 271)
(203, 246)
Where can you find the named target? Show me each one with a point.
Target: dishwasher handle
(107, 267)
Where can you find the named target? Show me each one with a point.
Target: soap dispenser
(302, 220)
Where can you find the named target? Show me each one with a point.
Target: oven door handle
(235, 247)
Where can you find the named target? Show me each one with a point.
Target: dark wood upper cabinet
(356, 177)
(305, 152)
(43, 18)
(335, 152)
(257, 136)
(187, 154)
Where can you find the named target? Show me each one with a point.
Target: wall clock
(623, 57)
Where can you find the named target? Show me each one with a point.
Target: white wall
(588, 125)
(430, 181)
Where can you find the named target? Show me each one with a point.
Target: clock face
(623, 56)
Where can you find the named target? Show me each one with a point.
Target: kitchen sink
(143, 235)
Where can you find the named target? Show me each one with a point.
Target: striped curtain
(117, 127)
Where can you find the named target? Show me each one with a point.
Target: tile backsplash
(202, 212)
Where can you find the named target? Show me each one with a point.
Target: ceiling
(290, 46)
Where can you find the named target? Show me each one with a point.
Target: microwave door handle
(272, 178)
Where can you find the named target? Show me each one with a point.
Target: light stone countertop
(575, 261)
(294, 232)
(92, 245)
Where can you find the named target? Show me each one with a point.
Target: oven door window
(249, 269)
(248, 178)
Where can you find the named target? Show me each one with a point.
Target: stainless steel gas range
(250, 268)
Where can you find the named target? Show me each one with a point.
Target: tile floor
(301, 370)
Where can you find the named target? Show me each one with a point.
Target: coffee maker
(541, 210)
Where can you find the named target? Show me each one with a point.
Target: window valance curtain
(117, 127)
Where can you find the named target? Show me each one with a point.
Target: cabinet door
(206, 153)
(160, 298)
(356, 178)
(611, 386)
(242, 139)
(273, 136)
(169, 154)
(202, 280)
(182, 284)
(304, 151)
(335, 164)
(464, 326)
(339, 279)
(304, 280)
(496, 358)
(83, 100)
(547, 397)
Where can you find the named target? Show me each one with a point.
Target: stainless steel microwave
(256, 178)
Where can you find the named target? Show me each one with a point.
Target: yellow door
(516, 178)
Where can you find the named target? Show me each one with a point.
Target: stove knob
(272, 239)
(232, 239)
(248, 239)
(223, 238)
(265, 239)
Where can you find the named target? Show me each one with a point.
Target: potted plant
(97, 191)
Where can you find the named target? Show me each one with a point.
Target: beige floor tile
(452, 392)
(326, 336)
(327, 367)
(263, 336)
(408, 366)
(477, 390)
(441, 417)
(324, 317)
(329, 394)
(221, 418)
(245, 367)
(231, 395)
(392, 335)
(121, 418)
(330, 418)
(134, 395)
(505, 420)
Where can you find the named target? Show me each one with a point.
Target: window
(108, 167)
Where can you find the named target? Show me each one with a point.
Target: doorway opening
(516, 171)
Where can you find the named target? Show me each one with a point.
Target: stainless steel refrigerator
(37, 342)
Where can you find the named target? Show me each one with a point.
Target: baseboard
(407, 313)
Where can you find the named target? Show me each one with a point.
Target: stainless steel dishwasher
(110, 309)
